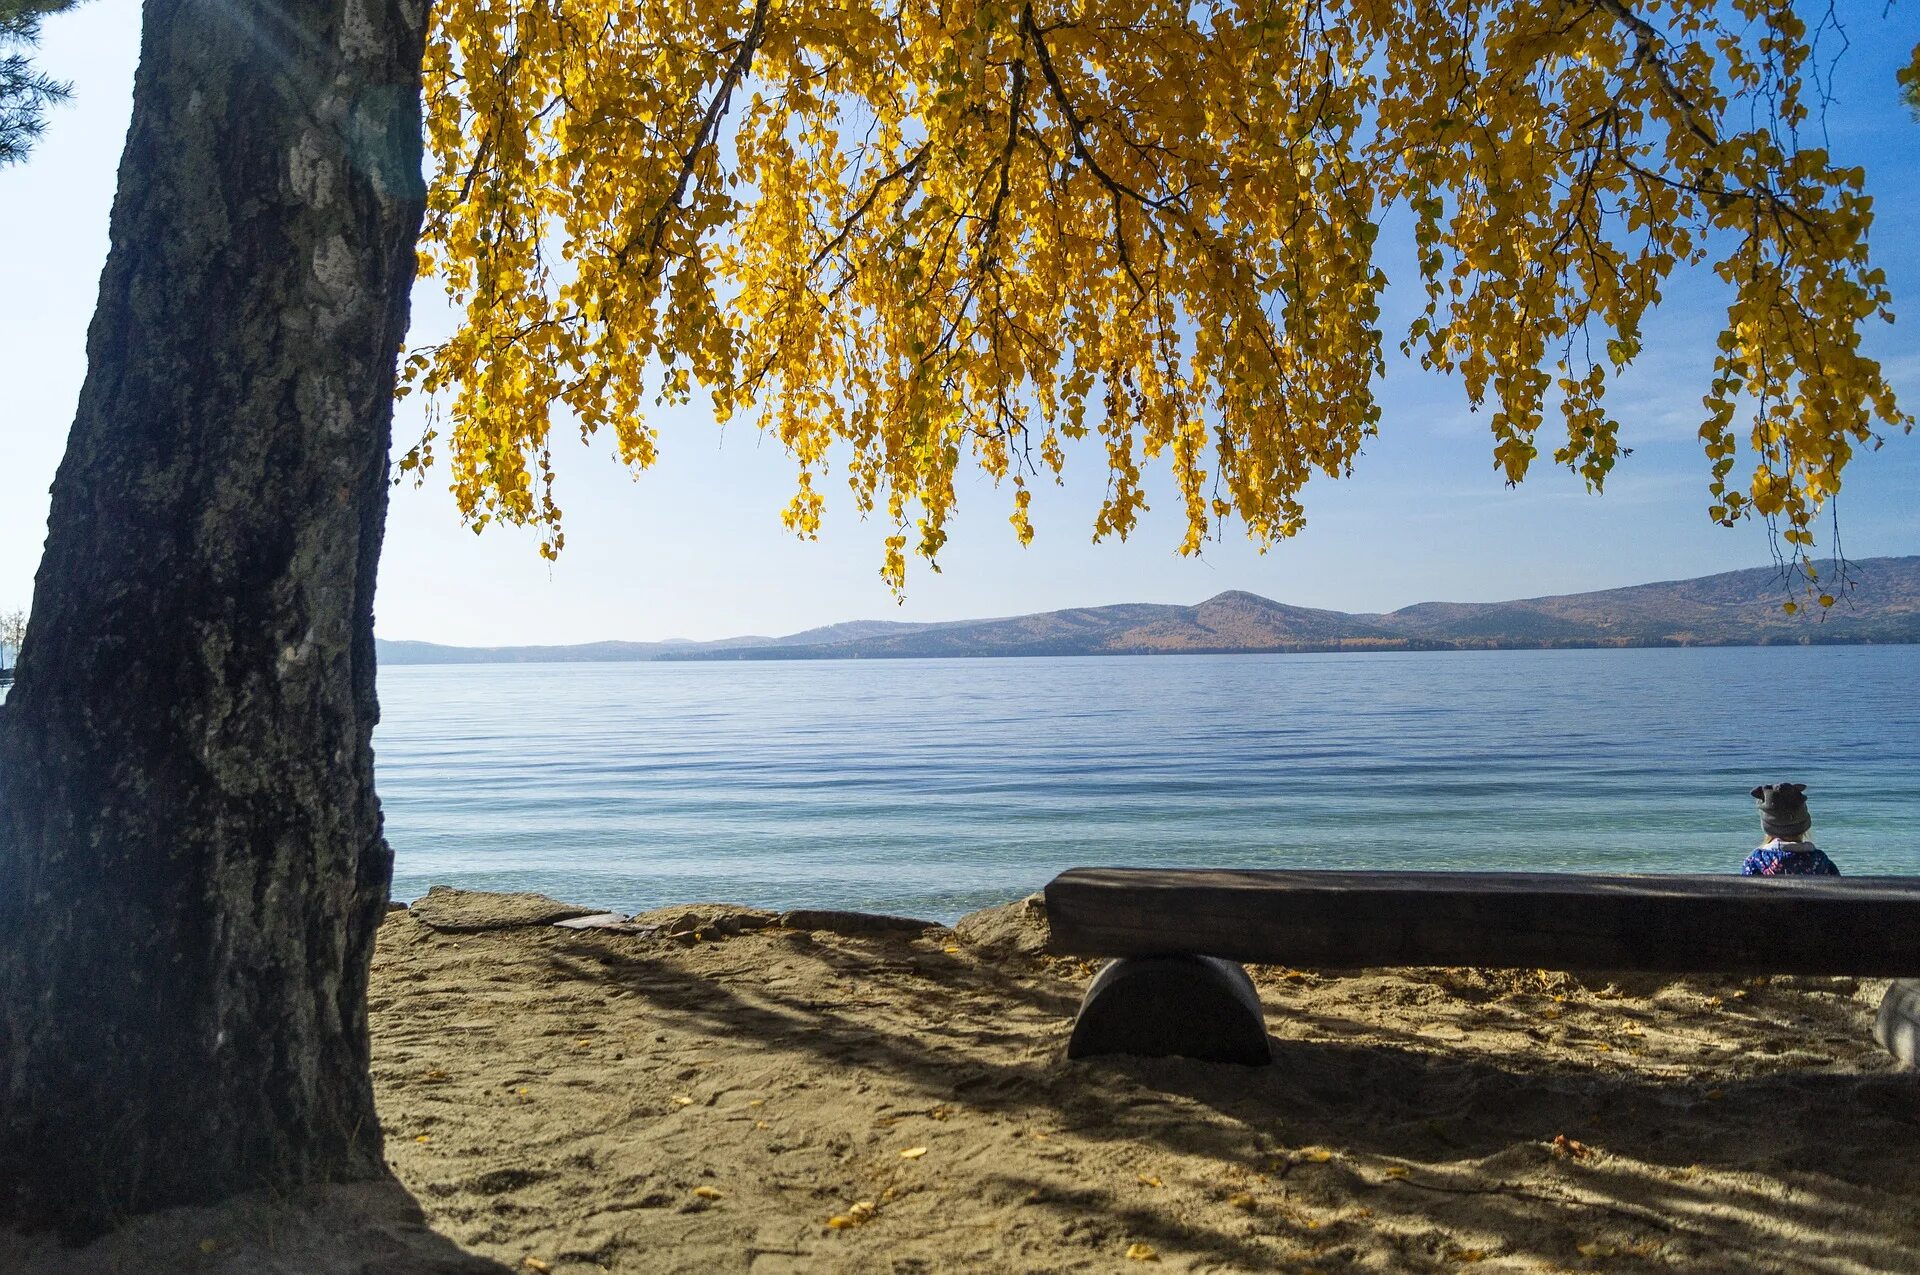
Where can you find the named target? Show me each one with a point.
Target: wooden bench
(1179, 935)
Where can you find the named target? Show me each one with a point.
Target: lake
(931, 787)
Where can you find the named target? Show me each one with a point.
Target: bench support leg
(1898, 1027)
(1187, 1006)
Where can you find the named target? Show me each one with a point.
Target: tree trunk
(191, 863)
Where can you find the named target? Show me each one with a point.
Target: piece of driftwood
(706, 920)
(1898, 1025)
(1190, 1006)
(1334, 920)
(853, 924)
(596, 921)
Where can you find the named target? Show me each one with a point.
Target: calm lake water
(931, 787)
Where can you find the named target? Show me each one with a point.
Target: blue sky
(695, 549)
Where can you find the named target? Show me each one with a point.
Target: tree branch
(703, 136)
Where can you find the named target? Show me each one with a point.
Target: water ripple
(933, 786)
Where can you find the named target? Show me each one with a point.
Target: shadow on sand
(1790, 1169)
(364, 1228)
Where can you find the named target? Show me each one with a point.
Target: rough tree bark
(191, 861)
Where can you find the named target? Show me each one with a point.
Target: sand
(777, 1099)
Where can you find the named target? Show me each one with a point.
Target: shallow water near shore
(930, 787)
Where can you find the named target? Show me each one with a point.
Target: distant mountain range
(1737, 608)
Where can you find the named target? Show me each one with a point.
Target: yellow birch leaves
(912, 237)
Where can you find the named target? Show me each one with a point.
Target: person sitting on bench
(1787, 852)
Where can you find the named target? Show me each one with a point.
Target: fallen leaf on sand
(1467, 1255)
(422, 1138)
(951, 948)
(433, 1074)
(1319, 1156)
(1398, 1171)
(1715, 1095)
(1570, 1146)
(534, 1264)
(1150, 1181)
(706, 1193)
(913, 1153)
(1142, 1253)
(682, 1100)
(859, 1215)
(1240, 1200)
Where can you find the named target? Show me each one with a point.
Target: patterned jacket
(1780, 858)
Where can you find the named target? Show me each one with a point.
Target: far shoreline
(769, 655)
(1869, 601)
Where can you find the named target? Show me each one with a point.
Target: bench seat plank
(1863, 926)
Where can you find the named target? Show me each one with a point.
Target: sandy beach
(739, 1096)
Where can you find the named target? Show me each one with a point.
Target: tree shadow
(361, 1228)
(844, 1029)
(1784, 1169)
(1805, 1171)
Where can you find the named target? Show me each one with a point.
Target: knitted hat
(1783, 809)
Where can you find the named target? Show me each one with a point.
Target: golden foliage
(916, 237)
